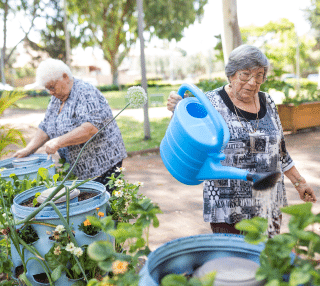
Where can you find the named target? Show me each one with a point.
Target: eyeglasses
(245, 76)
(52, 87)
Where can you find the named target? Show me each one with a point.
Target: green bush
(151, 82)
(211, 84)
(110, 87)
(34, 93)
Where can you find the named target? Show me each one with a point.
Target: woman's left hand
(306, 193)
(52, 146)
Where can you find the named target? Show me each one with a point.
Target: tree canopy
(113, 24)
(279, 42)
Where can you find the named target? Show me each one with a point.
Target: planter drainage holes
(41, 278)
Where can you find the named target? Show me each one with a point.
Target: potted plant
(288, 258)
(299, 109)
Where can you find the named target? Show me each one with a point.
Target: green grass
(133, 134)
(116, 99)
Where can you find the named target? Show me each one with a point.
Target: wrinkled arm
(36, 142)
(306, 193)
(76, 136)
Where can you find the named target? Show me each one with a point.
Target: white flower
(137, 96)
(121, 169)
(57, 251)
(4, 215)
(138, 184)
(60, 228)
(78, 251)
(118, 194)
(70, 247)
(119, 183)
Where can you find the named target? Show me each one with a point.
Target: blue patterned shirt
(85, 104)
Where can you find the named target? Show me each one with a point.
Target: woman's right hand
(22, 153)
(173, 100)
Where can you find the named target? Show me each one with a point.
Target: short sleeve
(93, 108)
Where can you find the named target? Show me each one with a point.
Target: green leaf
(174, 280)
(79, 283)
(43, 172)
(100, 250)
(298, 210)
(256, 224)
(55, 178)
(24, 278)
(299, 276)
(208, 279)
(56, 273)
(105, 265)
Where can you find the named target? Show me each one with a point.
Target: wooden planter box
(305, 115)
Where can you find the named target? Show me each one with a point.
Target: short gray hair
(246, 57)
(51, 69)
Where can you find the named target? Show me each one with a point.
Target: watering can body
(192, 147)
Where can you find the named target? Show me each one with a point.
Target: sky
(200, 36)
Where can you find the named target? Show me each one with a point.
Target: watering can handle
(218, 121)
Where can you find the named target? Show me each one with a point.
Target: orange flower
(97, 209)
(119, 267)
(86, 222)
(100, 214)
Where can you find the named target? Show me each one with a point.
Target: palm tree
(9, 135)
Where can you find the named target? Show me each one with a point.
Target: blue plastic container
(78, 212)
(185, 255)
(192, 147)
(26, 167)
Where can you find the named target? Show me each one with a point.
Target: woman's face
(60, 88)
(245, 84)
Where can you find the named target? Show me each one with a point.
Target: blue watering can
(192, 147)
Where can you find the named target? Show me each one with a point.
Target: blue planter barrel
(26, 167)
(78, 212)
(185, 255)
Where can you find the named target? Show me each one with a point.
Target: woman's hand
(52, 146)
(22, 153)
(173, 100)
(306, 193)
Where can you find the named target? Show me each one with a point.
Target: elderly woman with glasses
(256, 144)
(76, 112)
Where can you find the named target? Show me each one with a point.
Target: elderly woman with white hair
(256, 144)
(76, 112)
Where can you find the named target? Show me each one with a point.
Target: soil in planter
(28, 234)
(82, 197)
(18, 271)
(41, 278)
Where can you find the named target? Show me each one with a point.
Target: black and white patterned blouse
(229, 201)
(85, 104)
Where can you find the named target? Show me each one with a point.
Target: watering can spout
(213, 170)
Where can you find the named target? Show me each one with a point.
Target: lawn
(133, 134)
(116, 99)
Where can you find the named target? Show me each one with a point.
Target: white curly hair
(51, 69)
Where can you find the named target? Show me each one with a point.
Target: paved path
(181, 204)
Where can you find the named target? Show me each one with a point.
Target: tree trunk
(231, 36)
(146, 125)
(3, 50)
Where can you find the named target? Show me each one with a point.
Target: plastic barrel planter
(187, 254)
(78, 212)
(26, 167)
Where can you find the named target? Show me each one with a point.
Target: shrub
(211, 84)
(110, 87)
